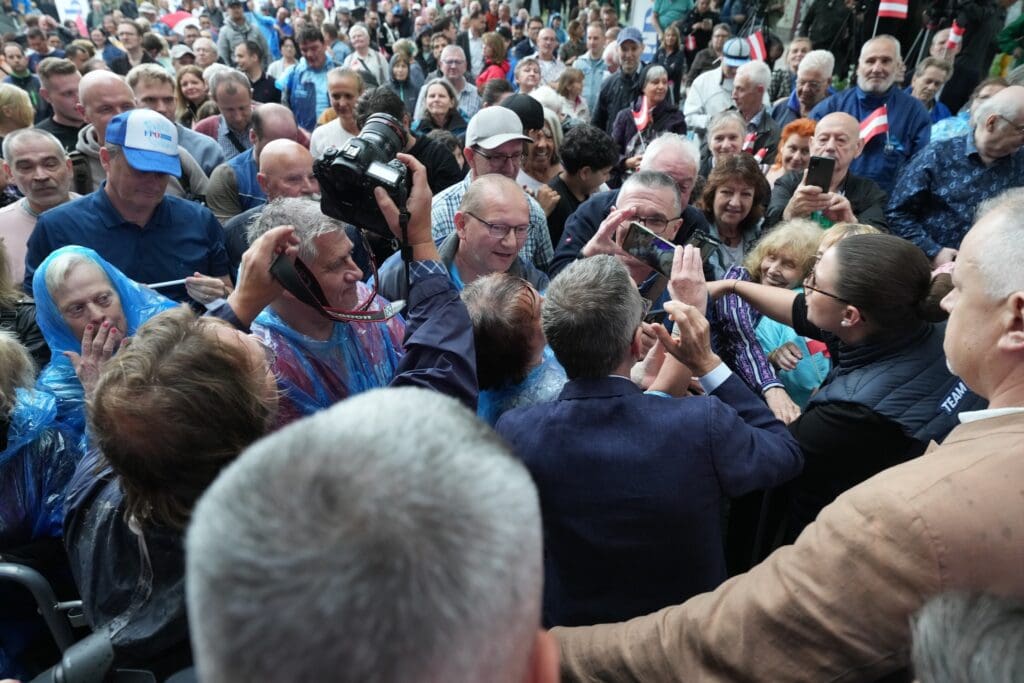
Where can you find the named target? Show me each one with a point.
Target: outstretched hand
(687, 284)
(256, 286)
(98, 345)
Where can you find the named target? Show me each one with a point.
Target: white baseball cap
(149, 140)
(494, 126)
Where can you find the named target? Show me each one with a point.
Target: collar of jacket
(861, 355)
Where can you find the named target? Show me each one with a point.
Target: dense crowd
(700, 348)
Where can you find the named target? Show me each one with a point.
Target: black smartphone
(819, 172)
(645, 246)
(705, 243)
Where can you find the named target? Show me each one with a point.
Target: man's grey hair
(389, 538)
(820, 61)
(673, 144)
(15, 138)
(590, 314)
(999, 261)
(1008, 107)
(969, 637)
(232, 79)
(204, 42)
(304, 215)
(757, 72)
(450, 50)
(655, 180)
(885, 37)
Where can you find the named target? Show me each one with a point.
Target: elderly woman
(441, 109)
(400, 81)
(527, 75)
(515, 367)
(733, 202)
(867, 299)
(725, 135)
(542, 162)
(782, 258)
(651, 115)
(370, 62)
(191, 93)
(794, 149)
(570, 89)
(85, 307)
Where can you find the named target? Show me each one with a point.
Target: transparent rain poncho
(58, 378)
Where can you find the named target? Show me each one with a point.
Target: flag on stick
(758, 51)
(893, 9)
(642, 118)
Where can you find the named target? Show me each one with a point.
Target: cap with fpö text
(149, 141)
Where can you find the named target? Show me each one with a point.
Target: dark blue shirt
(883, 156)
(938, 191)
(181, 238)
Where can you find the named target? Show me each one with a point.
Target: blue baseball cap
(149, 141)
(630, 33)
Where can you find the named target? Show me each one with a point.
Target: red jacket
(492, 70)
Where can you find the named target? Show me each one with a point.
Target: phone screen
(645, 246)
(819, 172)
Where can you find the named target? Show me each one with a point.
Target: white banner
(75, 10)
(640, 16)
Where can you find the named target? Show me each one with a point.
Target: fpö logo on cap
(151, 132)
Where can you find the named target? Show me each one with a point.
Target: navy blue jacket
(631, 487)
(584, 222)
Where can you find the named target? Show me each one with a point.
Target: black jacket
(21, 322)
(618, 92)
(867, 199)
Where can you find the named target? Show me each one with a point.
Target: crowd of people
(652, 357)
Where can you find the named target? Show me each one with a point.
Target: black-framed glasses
(811, 284)
(1016, 127)
(655, 224)
(500, 159)
(498, 231)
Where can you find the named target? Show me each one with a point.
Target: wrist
(703, 366)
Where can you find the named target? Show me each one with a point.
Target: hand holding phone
(649, 248)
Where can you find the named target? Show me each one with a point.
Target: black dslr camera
(348, 175)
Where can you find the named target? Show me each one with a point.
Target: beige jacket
(835, 605)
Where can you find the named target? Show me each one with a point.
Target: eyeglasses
(453, 62)
(499, 159)
(655, 224)
(810, 285)
(498, 231)
(1018, 128)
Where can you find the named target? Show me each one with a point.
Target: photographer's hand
(256, 286)
(418, 206)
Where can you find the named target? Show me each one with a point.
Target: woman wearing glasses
(890, 393)
(733, 202)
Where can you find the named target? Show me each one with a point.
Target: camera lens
(385, 133)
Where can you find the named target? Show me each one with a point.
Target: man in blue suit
(632, 483)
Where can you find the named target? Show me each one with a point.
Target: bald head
(837, 136)
(272, 122)
(286, 170)
(102, 95)
(486, 187)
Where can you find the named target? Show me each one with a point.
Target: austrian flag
(758, 52)
(642, 117)
(956, 36)
(876, 123)
(893, 9)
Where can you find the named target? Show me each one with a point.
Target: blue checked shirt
(224, 139)
(938, 191)
(537, 249)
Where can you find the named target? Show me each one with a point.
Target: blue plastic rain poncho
(543, 384)
(139, 304)
(313, 375)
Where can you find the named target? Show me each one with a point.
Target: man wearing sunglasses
(494, 144)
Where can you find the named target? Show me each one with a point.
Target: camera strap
(299, 280)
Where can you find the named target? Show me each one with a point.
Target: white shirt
(331, 134)
(975, 415)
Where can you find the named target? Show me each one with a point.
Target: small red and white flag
(956, 36)
(748, 142)
(758, 51)
(761, 154)
(893, 9)
(875, 124)
(642, 118)
(691, 43)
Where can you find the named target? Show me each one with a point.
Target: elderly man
(478, 581)
(937, 193)
(103, 95)
(882, 549)
(234, 187)
(494, 144)
(813, 77)
(671, 154)
(929, 77)
(876, 97)
(130, 222)
(59, 79)
(237, 30)
(711, 92)
(154, 89)
(41, 169)
(453, 67)
(850, 198)
(491, 226)
(231, 91)
(551, 67)
(305, 85)
(205, 51)
(622, 87)
(685, 454)
(749, 96)
(286, 170)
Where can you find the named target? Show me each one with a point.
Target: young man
(59, 79)
(588, 155)
(20, 76)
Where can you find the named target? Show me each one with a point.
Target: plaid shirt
(537, 249)
(226, 145)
